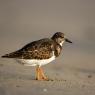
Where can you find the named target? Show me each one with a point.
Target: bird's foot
(43, 78)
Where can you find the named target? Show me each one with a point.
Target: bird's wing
(41, 49)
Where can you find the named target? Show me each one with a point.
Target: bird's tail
(7, 56)
(12, 55)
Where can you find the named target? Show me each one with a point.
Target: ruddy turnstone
(40, 52)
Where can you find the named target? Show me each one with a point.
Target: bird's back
(34, 50)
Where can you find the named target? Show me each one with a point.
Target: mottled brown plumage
(41, 49)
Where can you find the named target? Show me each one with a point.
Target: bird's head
(59, 38)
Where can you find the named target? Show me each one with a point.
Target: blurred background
(23, 21)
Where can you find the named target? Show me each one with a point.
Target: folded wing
(41, 49)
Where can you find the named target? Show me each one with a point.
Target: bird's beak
(67, 40)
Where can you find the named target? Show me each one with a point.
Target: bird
(39, 53)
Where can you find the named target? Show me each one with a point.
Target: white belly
(34, 62)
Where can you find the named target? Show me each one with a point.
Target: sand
(16, 79)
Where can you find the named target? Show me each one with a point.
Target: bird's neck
(57, 49)
(61, 43)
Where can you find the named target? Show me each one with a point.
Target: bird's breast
(57, 51)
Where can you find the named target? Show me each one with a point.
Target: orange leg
(40, 75)
(43, 75)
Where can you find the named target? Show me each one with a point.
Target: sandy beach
(23, 21)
